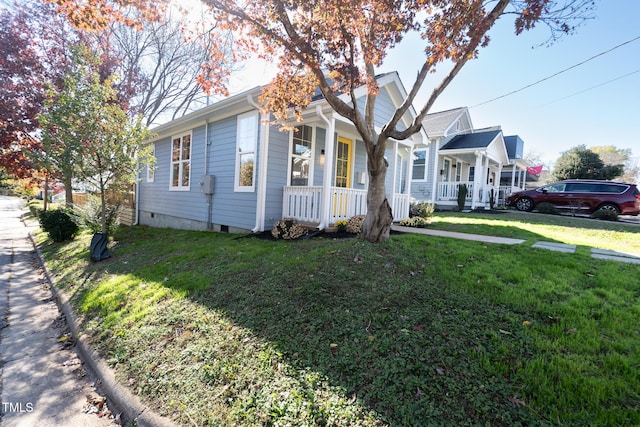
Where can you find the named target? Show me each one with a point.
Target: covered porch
(475, 160)
(478, 171)
(337, 177)
(305, 204)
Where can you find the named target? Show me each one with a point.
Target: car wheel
(524, 204)
(609, 207)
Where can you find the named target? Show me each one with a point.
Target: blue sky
(552, 116)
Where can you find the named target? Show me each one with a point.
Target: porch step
(310, 226)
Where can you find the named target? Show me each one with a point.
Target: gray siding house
(459, 154)
(227, 168)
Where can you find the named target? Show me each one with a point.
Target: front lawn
(211, 329)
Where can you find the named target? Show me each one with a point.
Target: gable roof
(437, 124)
(471, 140)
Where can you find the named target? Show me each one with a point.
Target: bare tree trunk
(68, 192)
(103, 209)
(377, 224)
(45, 193)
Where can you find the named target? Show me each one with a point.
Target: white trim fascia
(199, 117)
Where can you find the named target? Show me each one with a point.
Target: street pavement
(42, 380)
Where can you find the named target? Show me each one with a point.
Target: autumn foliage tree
(87, 136)
(21, 95)
(337, 46)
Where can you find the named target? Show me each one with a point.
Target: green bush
(421, 209)
(547, 208)
(35, 208)
(90, 215)
(59, 224)
(605, 214)
(288, 229)
(354, 225)
(416, 221)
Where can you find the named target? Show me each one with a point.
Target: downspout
(137, 202)
(207, 143)
(262, 171)
(328, 168)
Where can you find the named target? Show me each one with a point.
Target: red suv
(582, 195)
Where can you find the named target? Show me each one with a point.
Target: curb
(134, 412)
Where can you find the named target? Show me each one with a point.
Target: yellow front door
(343, 176)
(343, 162)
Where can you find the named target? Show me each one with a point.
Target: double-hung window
(246, 146)
(180, 162)
(301, 150)
(419, 164)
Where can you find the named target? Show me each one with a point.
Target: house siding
(278, 159)
(230, 208)
(156, 197)
(318, 170)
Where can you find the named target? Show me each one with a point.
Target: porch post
(394, 171)
(435, 171)
(513, 176)
(327, 177)
(477, 179)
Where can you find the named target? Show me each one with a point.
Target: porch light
(321, 157)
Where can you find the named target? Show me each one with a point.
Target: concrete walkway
(455, 235)
(551, 246)
(43, 383)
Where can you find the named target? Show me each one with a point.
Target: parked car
(581, 195)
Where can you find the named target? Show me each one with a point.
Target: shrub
(35, 209)
(462, 196)
(547, 208)
(605, 214)
(288, 229)
(90, 215)
(341, 225)
(59, 224)
(421, 209)
(416, 221)
(354, 225)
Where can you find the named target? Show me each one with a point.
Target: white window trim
(236, 181)
(311, 159)
(151, 167)
(425, 175)
(180, 187)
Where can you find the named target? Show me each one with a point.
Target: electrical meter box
(206, 184)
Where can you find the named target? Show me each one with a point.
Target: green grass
(419, 331)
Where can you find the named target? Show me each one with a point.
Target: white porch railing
(448, 191)
(303, 203)
(400, 206)
(347, 202)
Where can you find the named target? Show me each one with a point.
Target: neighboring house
(459, 154)
(227, 168)
(514, 177)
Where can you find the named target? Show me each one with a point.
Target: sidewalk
(43, 383)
